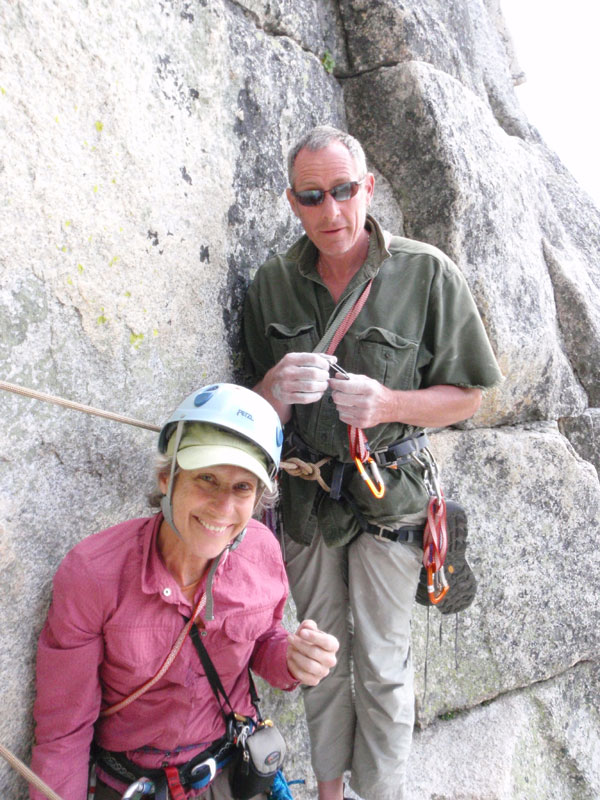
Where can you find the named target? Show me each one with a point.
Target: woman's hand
(311, 653)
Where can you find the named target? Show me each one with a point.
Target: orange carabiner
(378, 491)
(436, 596)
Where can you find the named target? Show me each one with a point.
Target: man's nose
(330, 207)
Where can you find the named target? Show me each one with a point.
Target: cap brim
(201, 456)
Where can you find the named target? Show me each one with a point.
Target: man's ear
(292, 201)
(369, 186)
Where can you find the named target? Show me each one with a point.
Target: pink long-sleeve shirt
(116, 612)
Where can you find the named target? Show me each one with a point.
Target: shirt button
(167, 592)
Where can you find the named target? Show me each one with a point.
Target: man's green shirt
(419, 328)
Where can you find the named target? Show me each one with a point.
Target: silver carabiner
(138, 789)
(431, 474)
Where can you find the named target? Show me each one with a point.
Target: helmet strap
(166, 504)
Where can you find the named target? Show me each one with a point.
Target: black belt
(396, 454)
(410, 534)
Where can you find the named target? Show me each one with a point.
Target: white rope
(28, 774)
(307, 470)
(59, 401)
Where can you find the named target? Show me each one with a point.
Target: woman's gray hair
(162, 468)
(322, 136)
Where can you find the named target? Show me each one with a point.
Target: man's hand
(361, 401)
(364, 402)
(297, 378)
(311, 653)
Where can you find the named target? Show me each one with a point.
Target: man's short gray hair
(322, 136)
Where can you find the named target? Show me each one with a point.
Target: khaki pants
(217, 790)
(361, 716)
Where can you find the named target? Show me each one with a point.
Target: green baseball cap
(204, 445)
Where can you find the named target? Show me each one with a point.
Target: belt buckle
(138, 789)
(380, 535)
(212, 769)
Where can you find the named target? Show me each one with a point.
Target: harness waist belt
(197, 772)
(400, 452)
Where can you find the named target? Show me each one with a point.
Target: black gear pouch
(260, 756)
(261, 747)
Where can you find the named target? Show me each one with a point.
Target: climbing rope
(306, 470)
(295, 466)
(28, 774)
(59, 401)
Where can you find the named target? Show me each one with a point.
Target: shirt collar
(156, 578)
(305, 254)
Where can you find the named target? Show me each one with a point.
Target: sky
(557, 47)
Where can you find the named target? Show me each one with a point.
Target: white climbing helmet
(232, 408)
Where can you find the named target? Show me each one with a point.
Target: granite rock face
(143, 176)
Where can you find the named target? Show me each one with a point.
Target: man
(417, 357)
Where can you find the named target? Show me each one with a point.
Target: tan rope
(306, 470)
(28, 774)
(294, 466)
(59, 401)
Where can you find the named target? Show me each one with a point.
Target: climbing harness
(174, 780)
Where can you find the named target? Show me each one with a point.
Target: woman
(121, 600)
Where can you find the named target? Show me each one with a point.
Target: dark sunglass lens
(311, 197)
(344, 191)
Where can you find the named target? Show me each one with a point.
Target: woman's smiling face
(211, 506)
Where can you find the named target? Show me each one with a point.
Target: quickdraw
(435, 534)
(359, 452)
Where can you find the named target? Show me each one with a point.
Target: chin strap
(213, 568)
(166, 506)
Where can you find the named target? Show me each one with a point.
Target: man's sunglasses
(340, 193)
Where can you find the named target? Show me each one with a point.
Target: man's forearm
(364, 402)
(434, 407)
